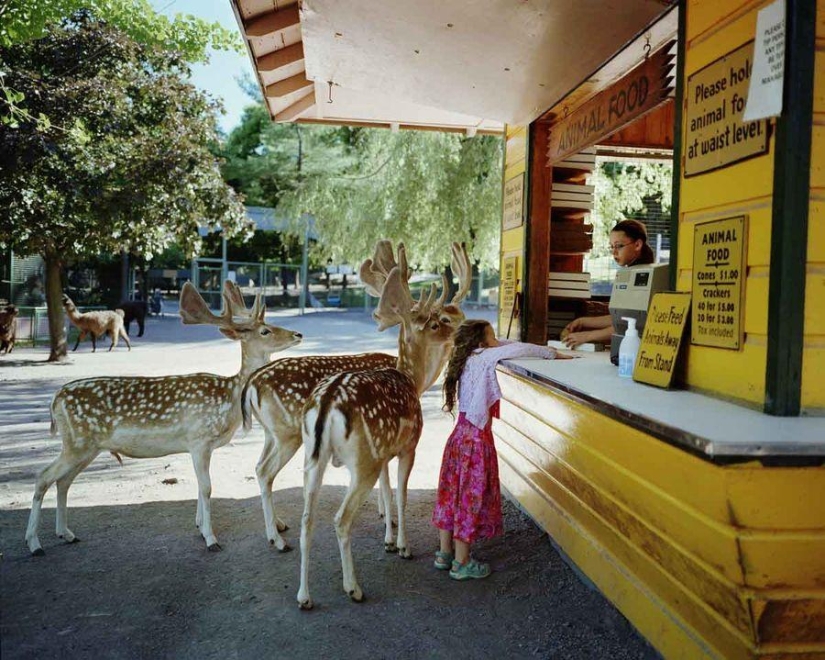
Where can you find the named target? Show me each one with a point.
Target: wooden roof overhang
(464, 65)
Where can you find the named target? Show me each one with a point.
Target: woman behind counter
(628, 242)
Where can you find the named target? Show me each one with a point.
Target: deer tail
(249, 403)
(328, 396)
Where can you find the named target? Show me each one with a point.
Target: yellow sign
(718, 272)
(666, 318)
(715, 135)
(513, 203)
(509, 283)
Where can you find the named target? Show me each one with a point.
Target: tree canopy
(26, 20)
(135, 168)
(362, 184)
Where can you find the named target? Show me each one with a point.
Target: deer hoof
(38, 553)
(282, 527)
(404, 553)
(286, 548)
(390, 548)
(214, 548)
(357, 596)
(305, 604)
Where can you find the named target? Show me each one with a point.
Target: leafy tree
(134, 172)
(26, 20)
(628, 190)
(362, 184)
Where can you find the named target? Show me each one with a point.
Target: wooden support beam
(274, 21)
(292, 112)
(282, 57)
(288, 85)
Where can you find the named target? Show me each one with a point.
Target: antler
(391, 285)
(464, 271)
(195, 311)
(374, 272)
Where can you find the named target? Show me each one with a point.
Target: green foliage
(134, 171)
(23, 21)
(423, 188)
(27, 20)
(627, 190)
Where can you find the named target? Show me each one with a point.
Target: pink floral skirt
(469, 494)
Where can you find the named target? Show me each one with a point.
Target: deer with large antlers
(276, 393)
(145, 417)
(364, 419)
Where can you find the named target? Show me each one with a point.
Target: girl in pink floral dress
(468, 504)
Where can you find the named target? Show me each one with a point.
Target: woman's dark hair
(468, 338)
(636, 231)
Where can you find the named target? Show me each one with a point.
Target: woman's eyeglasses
(618, 246)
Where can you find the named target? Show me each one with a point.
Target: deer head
(237, 322)
(428, 324)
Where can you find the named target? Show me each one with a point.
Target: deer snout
(297, 335)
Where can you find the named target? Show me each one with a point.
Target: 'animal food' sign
(718, 273)
(715, 133)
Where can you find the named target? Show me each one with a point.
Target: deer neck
(420, 360)
(251, 360)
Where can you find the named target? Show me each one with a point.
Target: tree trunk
(54, 303)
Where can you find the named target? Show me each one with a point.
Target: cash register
(633, 290)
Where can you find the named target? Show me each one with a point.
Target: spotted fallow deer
(150, 417)
(276, 393)
(364, 419)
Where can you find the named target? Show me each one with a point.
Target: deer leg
(275, 455)
(361, 483)
(58, 468)
(80, 335)
(125, 336)
(405, 465)
(63, 483)
(113, 335)
(385, 503)
(94, 340)
(313, 477)
(201, 460)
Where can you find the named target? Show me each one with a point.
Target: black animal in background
(134, 310)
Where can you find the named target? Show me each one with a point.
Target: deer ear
(231, 333)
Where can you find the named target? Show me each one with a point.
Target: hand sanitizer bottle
(628, 348)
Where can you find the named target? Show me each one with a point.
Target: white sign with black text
(767, 79)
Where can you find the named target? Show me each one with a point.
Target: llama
(96, 324)
(8, 328)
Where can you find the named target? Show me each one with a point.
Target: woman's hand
(574, 339)
(574, 326)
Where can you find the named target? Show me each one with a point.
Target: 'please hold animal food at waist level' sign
(715, 133)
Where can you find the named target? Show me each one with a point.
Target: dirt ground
(142, 585)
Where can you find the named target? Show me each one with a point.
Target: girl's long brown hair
(468, 338)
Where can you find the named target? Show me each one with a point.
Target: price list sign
(718, 272)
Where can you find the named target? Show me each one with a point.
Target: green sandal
(443, 560)
(471, 570)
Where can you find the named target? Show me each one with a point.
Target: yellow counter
(703, 521)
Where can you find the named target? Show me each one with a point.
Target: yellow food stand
(699, 509)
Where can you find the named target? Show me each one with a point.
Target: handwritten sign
(715, 134)
(718, 273)
(765, 93)
(665, 325)
(513, 203)
(634, 95)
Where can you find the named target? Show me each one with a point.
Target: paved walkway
(140, 586)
